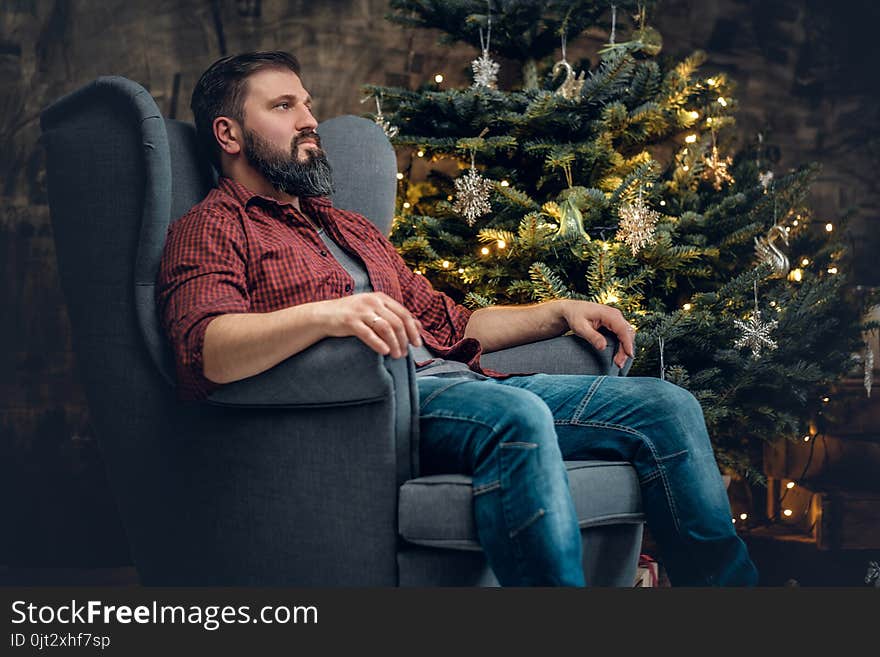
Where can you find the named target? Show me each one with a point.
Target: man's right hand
(376, 319)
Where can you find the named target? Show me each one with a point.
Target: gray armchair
(292, 477)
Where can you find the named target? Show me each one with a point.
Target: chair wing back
(109, 184)
(364, 167)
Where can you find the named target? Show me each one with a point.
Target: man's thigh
(609, 417)
(459, 417)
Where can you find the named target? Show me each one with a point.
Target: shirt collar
(244, 196)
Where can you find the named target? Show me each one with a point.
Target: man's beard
(285, 171)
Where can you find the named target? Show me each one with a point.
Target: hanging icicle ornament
(572, 86)
(869, 367)
(764, 177)
(613, 25)
(756, 332)
(637, 224)
(472, 194)
(389, 130)
(485, 69)
(767, 251)
(716, 168)
(661, 342)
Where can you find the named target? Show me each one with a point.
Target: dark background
(806, 78)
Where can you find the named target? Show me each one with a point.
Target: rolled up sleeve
(202, 275)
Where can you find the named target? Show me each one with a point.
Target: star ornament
(637, 225)
(756, 333)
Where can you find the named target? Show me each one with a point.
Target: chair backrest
(118, 175)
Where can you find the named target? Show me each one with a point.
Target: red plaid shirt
(241, 252)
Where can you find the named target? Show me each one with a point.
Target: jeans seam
(586, 400)
(661, 471)
(434, 394)
(528, 523)
(486, 488)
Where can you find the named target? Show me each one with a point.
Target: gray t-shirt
(435, 366)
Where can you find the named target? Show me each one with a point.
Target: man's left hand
(586, 317)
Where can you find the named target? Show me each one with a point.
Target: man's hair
(222, 89)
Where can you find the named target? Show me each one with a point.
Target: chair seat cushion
(437, 510)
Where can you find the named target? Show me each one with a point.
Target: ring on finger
(375, 319)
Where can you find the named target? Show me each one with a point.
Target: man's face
(280, 141)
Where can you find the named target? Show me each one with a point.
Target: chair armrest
(332, 372)
(567, 354)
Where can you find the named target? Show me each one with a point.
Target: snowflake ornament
(756, 333)
(485, 69)
(716, 169)
(472, 195)
(637, 224)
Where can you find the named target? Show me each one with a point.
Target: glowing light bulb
(449, 198)
(789, 485)
(662, 202)
(421, 153)
(694, 115)
(687, 306)
(805, 262)
(438, 78)
(504, 183)
(829, 227)
(502, 244)
(711, 82)
(407, 205)
(685, 168)
(807, 438)
(794, 223)
(743, 516)
(690, 139)
(796, 275)
(446, 264)
(733, 520)
(787, 513)
(399, 176)
(460, 270)
(484, 251)
(722, 101)
(772, 304)
(612, 298)
(826, 399)
(832, 270)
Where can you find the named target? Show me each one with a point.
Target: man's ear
(228, 134)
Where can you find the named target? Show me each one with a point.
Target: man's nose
(306, 121)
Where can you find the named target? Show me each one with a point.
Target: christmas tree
(619, 185)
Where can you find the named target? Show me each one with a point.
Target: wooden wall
(805, 80)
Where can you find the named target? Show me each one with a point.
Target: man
(265, 267)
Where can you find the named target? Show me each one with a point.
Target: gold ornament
(571, 226)
(768, 253)
(573, 84)
(715, 169)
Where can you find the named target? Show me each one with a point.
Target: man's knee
(521, 420)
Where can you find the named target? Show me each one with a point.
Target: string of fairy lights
(796, 222)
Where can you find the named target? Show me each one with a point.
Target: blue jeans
(511, 436)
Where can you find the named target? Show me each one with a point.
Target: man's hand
(376, 319)
(586, 317)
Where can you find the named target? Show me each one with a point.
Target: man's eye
(283, 104)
